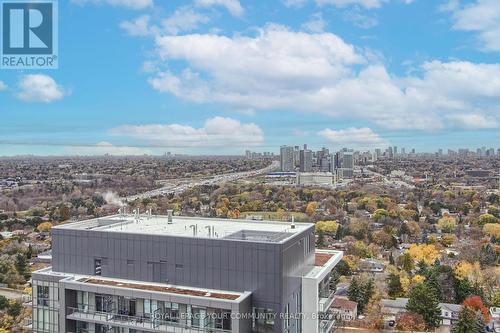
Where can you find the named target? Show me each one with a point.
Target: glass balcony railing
(135, 322)
(326, 323)
(326, 299)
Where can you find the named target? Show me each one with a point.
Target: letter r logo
(27, 27)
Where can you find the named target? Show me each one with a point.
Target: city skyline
(218, 77)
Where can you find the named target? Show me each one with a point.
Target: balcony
(135, 322)
(326, 322)
(325, 300)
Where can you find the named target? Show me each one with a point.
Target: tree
(424, 302)
(4, 302)
(22, 265)
(492, 230)
(44, 227)
(394, 287)
(328, 227)
(476, 304)
(447, 224)
(426, 253)
(487, 218)
(311, 207)
(470, 321)
(343, 268)
(380, 214)
(361, 291)
(409, 321)
(15, 308)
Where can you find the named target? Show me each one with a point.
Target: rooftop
(165, 289)
(194, 227)
(222, 295)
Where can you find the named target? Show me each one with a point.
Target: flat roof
(70, 278)
(194, 227)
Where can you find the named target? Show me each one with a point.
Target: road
(217, 179)
(11, 293)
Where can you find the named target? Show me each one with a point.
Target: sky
(222, 76)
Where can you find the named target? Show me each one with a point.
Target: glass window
(263, 320)
(97, 266)
(42, 294)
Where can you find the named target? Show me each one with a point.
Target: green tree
(424, 301)
(394, 287)
(380, 214)
(4, 302)
(14, 309)
(22, 265)
(469, 321)
(361, 291)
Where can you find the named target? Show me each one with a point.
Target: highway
(217, 179)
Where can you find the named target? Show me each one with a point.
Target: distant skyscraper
(286, 159)
(395, 150)
(306, 158)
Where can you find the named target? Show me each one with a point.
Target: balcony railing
(136, 322)
(325, 300)
(326, 322)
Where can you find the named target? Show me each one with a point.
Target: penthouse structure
(145, 273)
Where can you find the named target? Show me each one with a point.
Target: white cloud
(137, 27)
(104, 147)
(294, 3)
(3, 86)
(183, 19)
(344, 3)
(217, 131)
(473, 121)
(483, 17)
(316, 24)
(132, 4)
(279, 69)
(39, 88)
(233, 6)
(360, 20)
(354, 137)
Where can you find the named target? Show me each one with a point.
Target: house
(392, 307)
(371, 265)
(345, 309)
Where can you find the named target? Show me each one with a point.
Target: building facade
(287, 160)
(145, 273)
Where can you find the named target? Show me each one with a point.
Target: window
(130, 262)
(42, 295)
(179, 266)
(287, 316)
(299, 311)
(263, 320)
(97, 266)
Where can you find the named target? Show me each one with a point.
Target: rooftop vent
(169, 214)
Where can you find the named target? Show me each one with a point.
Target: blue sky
(222, 76)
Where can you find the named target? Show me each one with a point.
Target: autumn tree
(476, 304)
(380, 214)
(409, 321)
(469, 321)
(426, 253)
(487, 218)
(327, 227)
(447, 224)
(44, 227)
